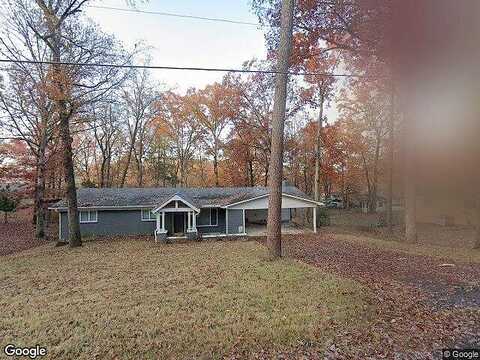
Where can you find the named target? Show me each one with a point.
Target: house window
(90, 216)
(208, 217)
(147, 215)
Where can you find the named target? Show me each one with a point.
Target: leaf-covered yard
(336, 295)
(134, 299)
(425, 298)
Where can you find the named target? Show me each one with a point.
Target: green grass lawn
(135, 299)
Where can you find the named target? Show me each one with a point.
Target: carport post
(226, 221)
(244, 224)
(315, 219)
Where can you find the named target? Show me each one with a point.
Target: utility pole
(274, 230)
(318, 149)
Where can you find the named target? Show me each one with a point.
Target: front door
(178, 223)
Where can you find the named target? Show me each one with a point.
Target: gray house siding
(128, 222)
(219, 229)
(112, 222)
(235, 220)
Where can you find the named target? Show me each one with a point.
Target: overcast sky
(187, 42)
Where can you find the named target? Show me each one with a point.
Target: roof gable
(178, 197)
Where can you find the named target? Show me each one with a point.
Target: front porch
(176, 218)
(176, 225)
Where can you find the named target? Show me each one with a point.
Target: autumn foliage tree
(177, 121)
(215, 108)
(318, 92)
(364, 117)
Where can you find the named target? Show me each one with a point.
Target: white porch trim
(313, 202)
(177, 197)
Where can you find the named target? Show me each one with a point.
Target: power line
(195, 17)
(185, 16)
(182, 68)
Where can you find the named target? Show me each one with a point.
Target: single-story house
(177, 212)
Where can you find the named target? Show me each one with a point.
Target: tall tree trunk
(374, 194)
(139, 171)
(250, 168)
(305, 179)
(391, 128)
(369, 184)
(75, 238)
(182, 173)
(410, 186)
(318, 149)
(102, 172)
(164, 169)
(344, 196)
(267, 165)
(215, 167)
(274, 229)
(40, 189)
(109, 168)
(129, 155)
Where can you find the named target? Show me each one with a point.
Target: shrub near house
(8, 204)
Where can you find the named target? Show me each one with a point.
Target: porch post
(163, 220)
(226, 221)
(189, 227)
(244, 223)
(194, 221)
(315, 219)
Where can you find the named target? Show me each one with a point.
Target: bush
(7, 205)
(87, 183)
(323, 218)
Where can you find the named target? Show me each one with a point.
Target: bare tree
(107, 136)
(72, 40)
(317, 94)
(139, 98)
(27, 110)
(274, 230)
(391, 153)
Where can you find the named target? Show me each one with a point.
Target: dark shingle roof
(199, 197)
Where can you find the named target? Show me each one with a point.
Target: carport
(255, 213)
